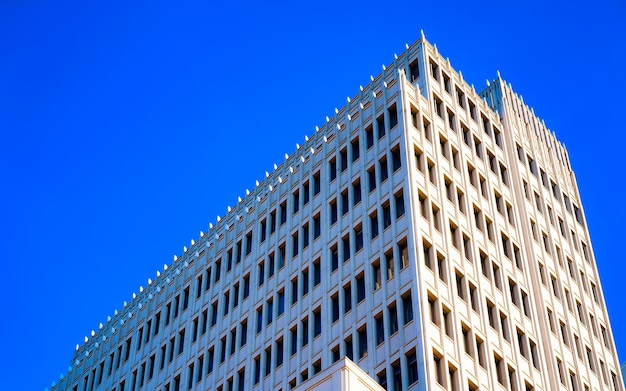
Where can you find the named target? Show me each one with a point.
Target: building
(431, 234)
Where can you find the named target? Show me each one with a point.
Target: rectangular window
(384, 171)
(362, 333)
(296, 201)
(356, 192)
(371, 178)
(343, 159)
(354, 148)
(399, 201)
(332, 169)
(369, 136)
(396, 160)
(373, 225)
(407, 308)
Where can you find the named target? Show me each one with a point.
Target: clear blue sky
(126, 127)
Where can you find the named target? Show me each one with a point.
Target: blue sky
(126, 127)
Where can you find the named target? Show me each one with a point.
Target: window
(294, 244)
(334, 256)
(317, 228)
(438, 106)
(305, 193)
(296, 201)
(362, 334)
(374, 225)
(419, 159)
(347, 298)
(356, 192)
(376, 275)
(393, 318)
(333, 212)
(390, 264)
(393, 116)
(316, 183)
(369, 136)
(371, 178)
(317, 272)
(279, 352)
(332, 169)
(281, 302)
(407, 308)
(317, 322)
(396, 161)
(283, 212)
(404, 254)
(432, 174)
(354, 147)
(346, 248)
(335, 307)
(305, 235)
(305, 332)
(345, 205)
(386, 215)
(399, 200)
(360, 288)
(380, 126)
(343, 159)
(384, 171)
(358, 238)
(272, 221)
(414, 70)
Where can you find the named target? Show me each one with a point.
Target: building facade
(432, 235)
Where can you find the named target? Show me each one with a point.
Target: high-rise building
(431, 234)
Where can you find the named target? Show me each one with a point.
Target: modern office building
(431, 234)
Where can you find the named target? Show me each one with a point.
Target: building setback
(431, 234)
